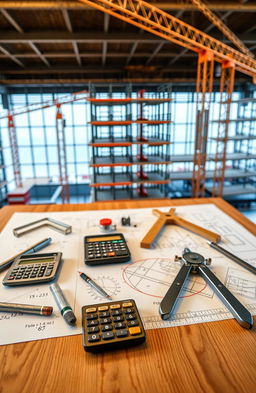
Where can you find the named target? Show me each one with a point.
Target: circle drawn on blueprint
(149, 276)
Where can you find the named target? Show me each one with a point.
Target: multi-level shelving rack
(238, 160)
(130, 144)
(239, 175)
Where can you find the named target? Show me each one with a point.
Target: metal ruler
(191, 317)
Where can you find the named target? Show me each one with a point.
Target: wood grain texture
(218, 357)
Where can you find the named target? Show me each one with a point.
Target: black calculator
(111, 325)
(101, 249)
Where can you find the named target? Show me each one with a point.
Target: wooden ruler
(171, 218)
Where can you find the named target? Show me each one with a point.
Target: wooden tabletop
(217, 357)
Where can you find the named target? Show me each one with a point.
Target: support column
(205, 68)
(226, 90)
(62, 157)
(14, 151)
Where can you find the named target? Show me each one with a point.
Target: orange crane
(60, 131)
(222, 27)
(226, 89)
(150, 18)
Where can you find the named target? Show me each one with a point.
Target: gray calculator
(33, 269)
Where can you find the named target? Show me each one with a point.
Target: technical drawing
(232, 239)
(176, 239)
(238, 282)
(109, 284)
(153, 277)
(146, 279)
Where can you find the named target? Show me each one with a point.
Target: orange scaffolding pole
(226, 90)
(14, 151)
(205, 69)
(62, 156)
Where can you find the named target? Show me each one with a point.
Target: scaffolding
(60, 134)
(130, 155)
(150, 18)
(237, 176)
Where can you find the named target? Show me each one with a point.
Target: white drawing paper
(145, 279)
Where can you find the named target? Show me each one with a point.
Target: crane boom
(152, 19)
(222, 27)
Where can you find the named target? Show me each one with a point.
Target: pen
(236, 259)
(36, 247)
(26, 308)
(94, 285)
(65, 309)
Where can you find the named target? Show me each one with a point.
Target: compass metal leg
(240, 313)
(169, 301)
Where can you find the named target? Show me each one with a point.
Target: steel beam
(11, 20)
(155, 52)
(99, 54)
(39, 54)
(77, 54)
(74, 70)
(80, 81)
(176, 6)
(67, 20)
(11, 56)
(91, 37)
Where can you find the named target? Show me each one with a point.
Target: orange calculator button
(134, 330)
(115, 306)
(127, 304)
(103, 308)
(91, 309)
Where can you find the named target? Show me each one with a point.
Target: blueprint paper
(145, 279)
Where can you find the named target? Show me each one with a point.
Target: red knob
(105, 222)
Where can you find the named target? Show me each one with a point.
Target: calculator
(111, 325)
(101, 249)
(33, 269)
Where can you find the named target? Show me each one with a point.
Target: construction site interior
(113, 99)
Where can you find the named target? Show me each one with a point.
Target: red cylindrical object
(105, 222)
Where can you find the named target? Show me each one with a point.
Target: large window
(37, 140)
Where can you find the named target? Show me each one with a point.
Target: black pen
(94, 285)
(34, 248)
(236, 259)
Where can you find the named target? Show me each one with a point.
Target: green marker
(65, 309)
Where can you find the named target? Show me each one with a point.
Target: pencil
(94, 285)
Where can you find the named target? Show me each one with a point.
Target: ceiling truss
(29, 53)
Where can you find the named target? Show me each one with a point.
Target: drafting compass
(192, 262)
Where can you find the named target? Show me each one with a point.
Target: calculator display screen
(103, 239)
(27, 261)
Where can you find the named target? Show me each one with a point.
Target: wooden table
(212, 357)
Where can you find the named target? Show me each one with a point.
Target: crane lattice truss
(222, 27)
(160, 23)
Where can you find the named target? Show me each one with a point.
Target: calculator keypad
(117, 326)
(109, 251)
(31, 271)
